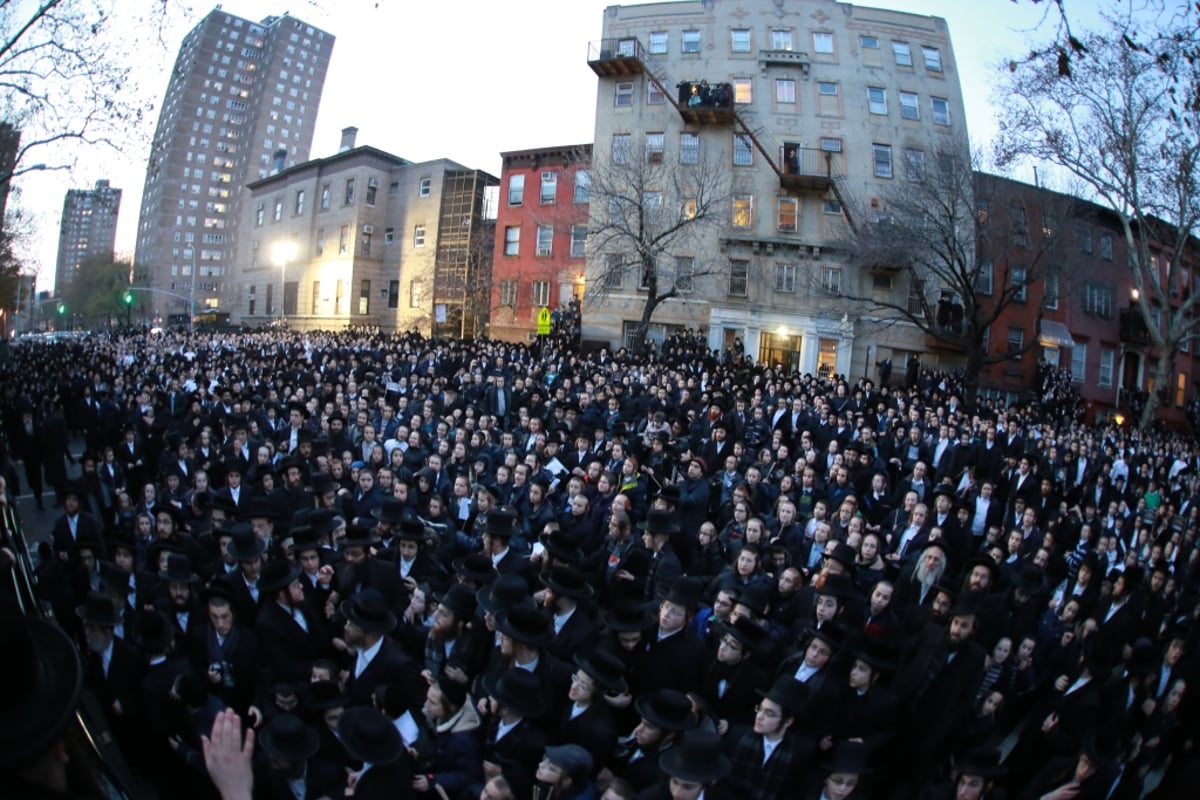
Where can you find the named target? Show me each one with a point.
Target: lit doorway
(780, 348)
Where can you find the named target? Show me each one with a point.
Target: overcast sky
(467, 81)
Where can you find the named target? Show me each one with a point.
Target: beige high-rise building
(241, 104)
(88, 231)
(800, 115)
(364, 237)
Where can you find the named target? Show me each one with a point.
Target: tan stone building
(364, 237)
(803, 114)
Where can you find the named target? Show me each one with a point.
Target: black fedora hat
(412, 530)
(518, 689)
(843, 554)
(789, 693)
(296, 405)
(982, 762)
(605, 669)
(752, 636)
(628, 617)
(563, 546)
(179, 570)
(323, 695)
(528, 625)
(368, 611)
(459, 601)
(154, 633)
(982, 560)
(322, 482)
(286, 738)
(833, 635)
(359, 536)
(321, 520)
(839, 586)
(968, 604)
(245, 544)
(873, 652)
(75, 487)
(697, 759)
(503, 593)
(114, 579)
(276, 575)
(501, 523)
(848, 757)
(369, 736)
(391, 510)
(567, 582)
(44, 676)
(687, 591)
(304, 538)
(260, 508)
(97, 609)
(171, 511)
(669, 493)
(755, 598)
(659, 520)
(668, 709)
(475, 567)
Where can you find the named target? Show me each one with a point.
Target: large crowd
(454, 569)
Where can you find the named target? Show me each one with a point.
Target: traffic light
(62, 308)
(128, 298)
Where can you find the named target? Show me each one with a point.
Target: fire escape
(701, 103)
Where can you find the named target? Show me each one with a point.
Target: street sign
(543, 328)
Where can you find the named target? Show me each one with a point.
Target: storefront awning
(1054, 334)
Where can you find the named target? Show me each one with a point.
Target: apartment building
(87, 231)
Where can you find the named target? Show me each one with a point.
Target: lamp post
(283, 251)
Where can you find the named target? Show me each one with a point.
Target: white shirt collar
(365, 657)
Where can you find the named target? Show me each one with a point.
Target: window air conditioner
(368, 229)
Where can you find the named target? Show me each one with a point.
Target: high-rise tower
(88, 231)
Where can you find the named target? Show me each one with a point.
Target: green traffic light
(128, 298)
(62, 308)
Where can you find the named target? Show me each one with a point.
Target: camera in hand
(225, 670)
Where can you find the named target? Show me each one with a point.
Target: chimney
(348, 136)
(279, 160)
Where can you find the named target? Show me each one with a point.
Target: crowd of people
(454, 569)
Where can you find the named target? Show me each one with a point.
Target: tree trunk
(1162, 383)
(972, 368)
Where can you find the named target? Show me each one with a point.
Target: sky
(467, 81)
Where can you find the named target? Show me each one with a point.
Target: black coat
(243, 660)
(288, 651)
(391, 665)
(595, 729)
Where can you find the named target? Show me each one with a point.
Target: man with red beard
(453, 646)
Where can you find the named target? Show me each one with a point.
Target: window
(326, 191)
(516, 190)
(654, 95)
(624, 95)
(1020, 284)
(914, 164)
(1180, 388)
(868, 42)
(364, 297)
(614, 271)
(393, 294)
(389, 235)
(508, 293)
(424, 186)
(583, 186)
(909, 106)
(545, 240)
(658, 43)
(785, 277)
(320, 248)
(419, 236)
(512, 240)
(882, 157)
(831, 280)
(881, 282)
(827, 88)
(743, 150)
(781, 39)
(689, 148)
(541, 293)
(743, 211)
(685, 269)
(689, 42)
(739, 274)
(1016, 341)
(372, 188)
(316, 298)
(622, 144)
(337, 297)
(1097, 300)
(253, 300)
(822, 42)
(877, 100)
(1050, 280)
(831, 145)
(349, 199)
(365, 243)
(789, 212)
(278, 212)
(902, 54)
(578, 240)
(984, 277)
(1018, 232)
(785, 90)
(416, 294)
(739, 40)
(344, 240)
(743, 90)
(941, 110)
(1106, 247)
(933, 58)
(549, 187)
(259, 214)
(654, 147)
(1085, 241)
(299, 202)
(830, 206)
(1079, 361)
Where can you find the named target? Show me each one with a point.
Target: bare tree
(1127, 125)
(655, 223)
(961, 242)
(65, 77)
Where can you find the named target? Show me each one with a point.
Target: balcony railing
(806, 168)
(616, 57)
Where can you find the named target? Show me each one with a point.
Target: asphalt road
(36, 524)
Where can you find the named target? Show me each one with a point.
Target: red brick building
(1090, 321)
(541, 231)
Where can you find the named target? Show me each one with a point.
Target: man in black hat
(973, 777)
(694, 770)
(674, 654)
(455, 643)
(501, 527)
(524, 631)
(665, 566)
(241, 585)
(178, 587)
(773, 756)
(378, 658)
(289, 768)
(574, 629)
(291, 638)
(511, 736)
(360, 570)
(373, 740)
(414, 562)
(234, 489)
(75, 525)
(665, 715)
(589, 721)
(114, 670)
(225, 652)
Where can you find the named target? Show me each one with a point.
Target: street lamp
(283, 252)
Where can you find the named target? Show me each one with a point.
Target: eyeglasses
(581, 683)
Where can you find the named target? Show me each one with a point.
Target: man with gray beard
(916, 586)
